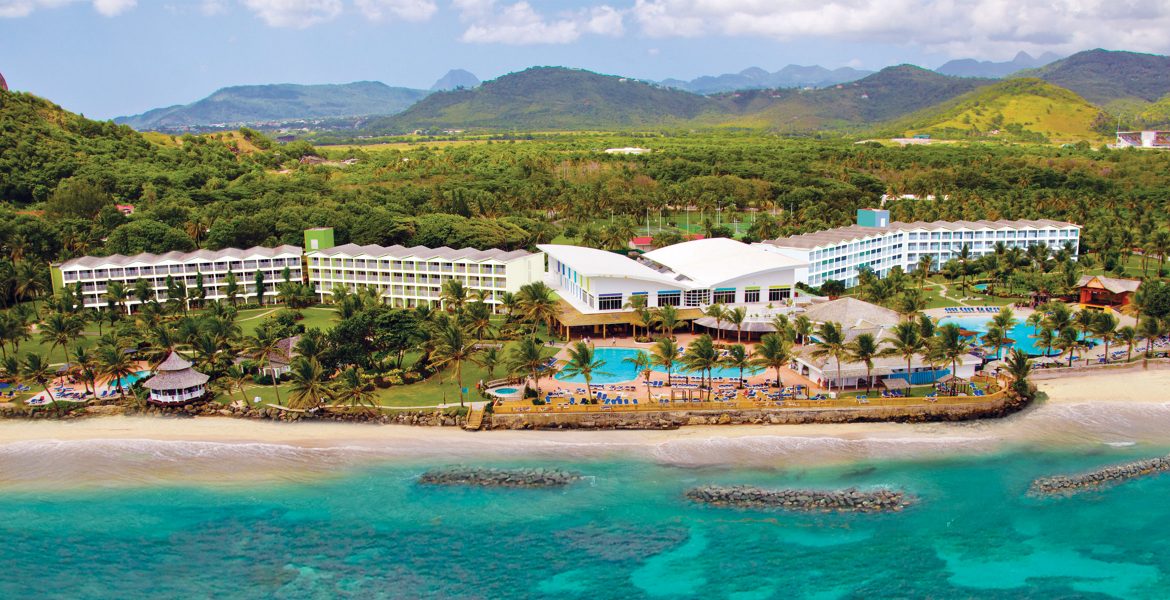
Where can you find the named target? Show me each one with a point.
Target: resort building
(94, 273)
(1143, 139)
(877, 244)
(597, 286)
(408, 277)
(858, 317)
(175, 382)
(1106, 292)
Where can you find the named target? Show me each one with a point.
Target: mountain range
(969, 67)
(1067, 99)
(792, 76)
(250, 104)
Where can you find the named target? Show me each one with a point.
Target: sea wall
(1079, 368)
(999, 407)
(1063, 485)
(847, 500)
(425, 418)
(486, 477)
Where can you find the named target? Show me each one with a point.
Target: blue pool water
(982, 287)
(1022, 333)
(129, 380)
(505, 391)
(617, 370)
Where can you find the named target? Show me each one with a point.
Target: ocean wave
(771, 450)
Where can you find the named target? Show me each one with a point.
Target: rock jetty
(847, 500)
(1063, 485)
(484, 477)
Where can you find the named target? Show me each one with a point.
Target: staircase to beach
(474, 418)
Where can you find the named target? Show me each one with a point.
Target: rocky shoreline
(239, 410)
(487, 477)
(846, 500)
(1064, 485)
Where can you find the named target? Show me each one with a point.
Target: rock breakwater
(846, 500)
(1063, 485)
(485, 477)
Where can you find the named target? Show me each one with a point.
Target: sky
(108, 58)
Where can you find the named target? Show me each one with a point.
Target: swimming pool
(129, 380)
(617, 370)
(981, 287)
(505, 391)
(1022, 334)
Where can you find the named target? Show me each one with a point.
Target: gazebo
(896, 385)
(953, 386)
(175, 382)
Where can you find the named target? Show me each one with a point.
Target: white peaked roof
(711, 261)
(146, 258)
(592, 262)
(420, 252)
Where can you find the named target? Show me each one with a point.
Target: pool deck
(102, 384)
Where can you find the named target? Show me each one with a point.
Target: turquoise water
(505, 390)
(1022, 333)
(129, 380)
(617, 370)
(624, 532)
(982, 287)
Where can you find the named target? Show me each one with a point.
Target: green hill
(550, 98)
(887, 94)
(249, 104)
(1104, 76)
(1024, 109)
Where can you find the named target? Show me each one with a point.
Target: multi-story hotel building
(408, 277)
(94, 273)
(875, 243)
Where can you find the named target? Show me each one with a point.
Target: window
(751, 295)
(724, 296)
(609, 302)
(669, 298)
(777, 294)
(698, 297)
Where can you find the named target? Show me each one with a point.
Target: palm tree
(583, 362)
(952, 345)
(1067, 341)
(907, 342)
(115, 364)
(1149, 329)
(803, 327)
(736, 316)
(351, 388)
(719, 313)
(1084, 321)
(263, 348)
(831, 344)
(667, 319)
(453, 295)
(29, 280)
(117, 293)
(737, 358)
(637, 304)
(923, 269)
(774, 351)
(1019, 367)
(477, 317)
(234, 379)
(664, 353)
(527, 357)
(536, 303)
(641, 363)
(83, 360)
(60, 329)
(994, 339)
(1045, 338)
(36, 367)
(782, 326)
(863, 349)
(1105, 329)
(308, 389)
(1127, 335)
(701, 356)
(489, 358)
(1034, 320)
(453, 347)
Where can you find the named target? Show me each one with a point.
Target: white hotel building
(687, 275)
(408, 277)
(839, 254)
(94, 273)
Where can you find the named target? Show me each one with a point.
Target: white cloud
(991, 28)
(22, 8)
(211, 8)
(406, 10)
(294, 14)
(520, 24)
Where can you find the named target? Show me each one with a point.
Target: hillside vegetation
(1016, 109)
(549, 98)
(1103, 76)
(280, 102)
